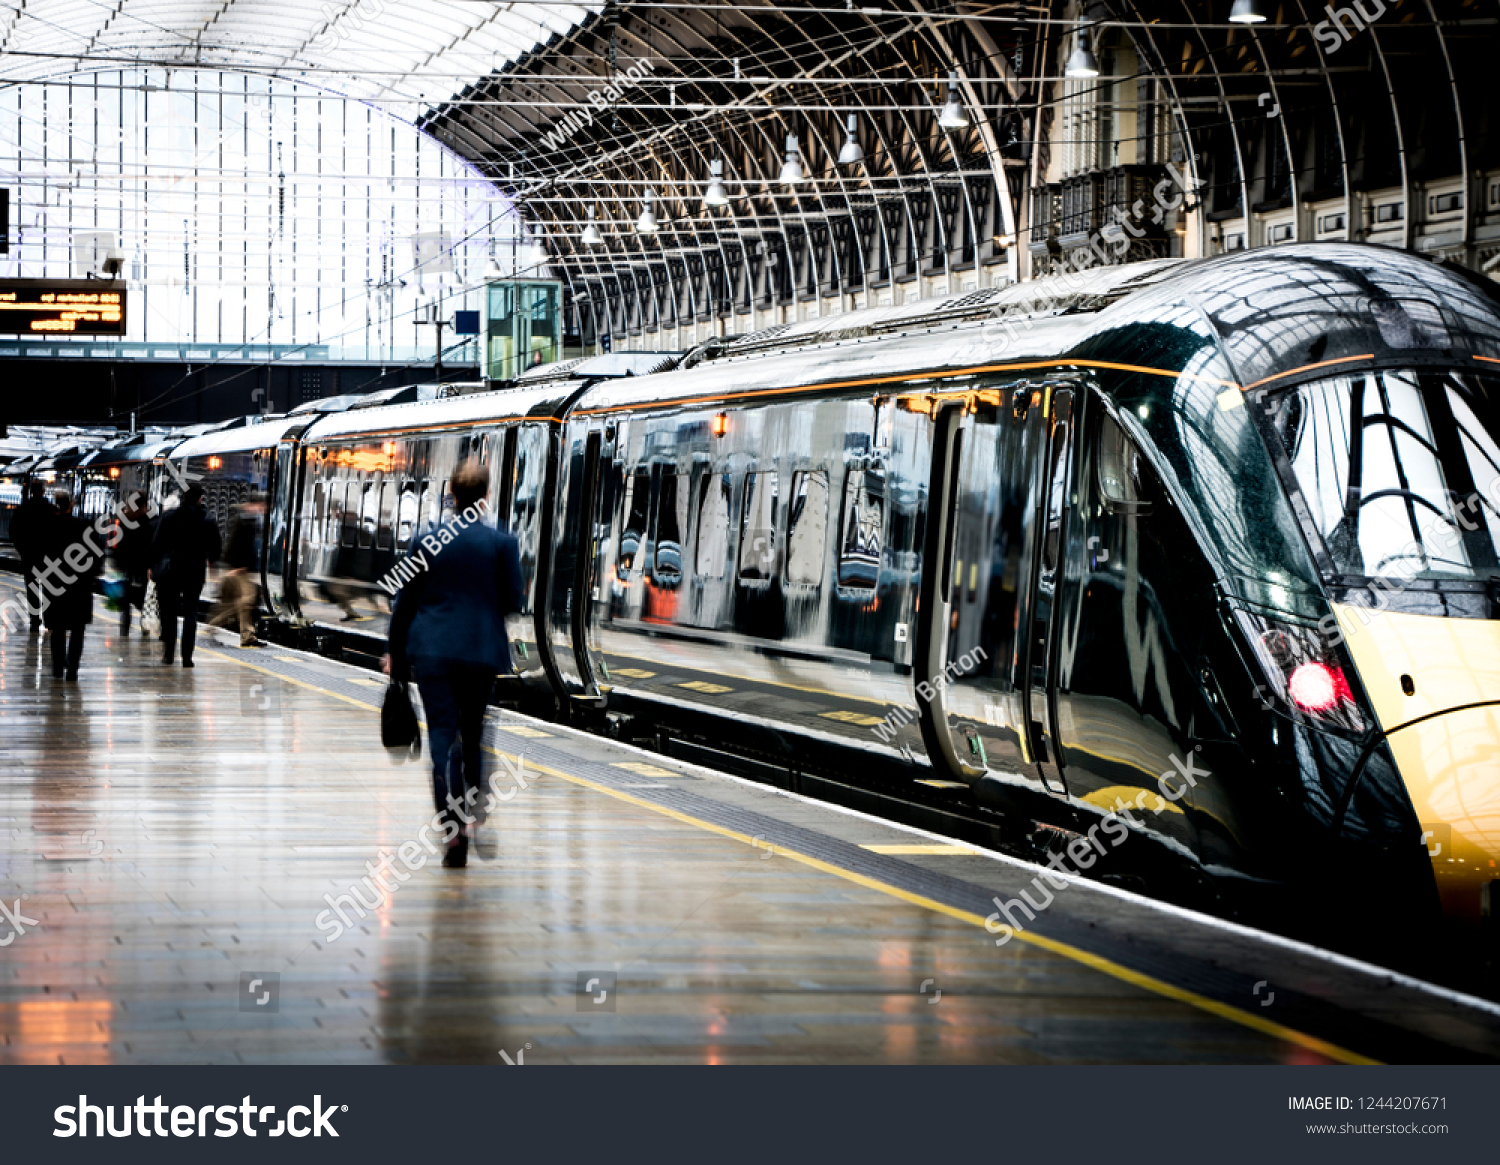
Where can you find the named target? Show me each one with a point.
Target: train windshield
(1399, 472)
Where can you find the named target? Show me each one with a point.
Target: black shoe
(167, 659)
(72, 675)
(187, 663)
(57, 675)
(457, 856)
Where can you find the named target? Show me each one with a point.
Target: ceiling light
(591, 236)
(953, 115)
(647, 224)
(1082, 63)
(1246, 12)
(851, 154)
(791, 170)
(716, 195)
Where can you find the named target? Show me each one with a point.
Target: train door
(998, 502)
(591, 533)
(281, 531)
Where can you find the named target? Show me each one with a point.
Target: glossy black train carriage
(1211, 546)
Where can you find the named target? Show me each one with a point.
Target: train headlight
(1306, 674)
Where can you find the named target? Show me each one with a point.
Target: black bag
(399, 731)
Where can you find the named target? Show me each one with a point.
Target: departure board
(62, 307)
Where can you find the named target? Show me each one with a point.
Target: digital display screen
(62, 307)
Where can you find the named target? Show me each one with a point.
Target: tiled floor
(175, 834)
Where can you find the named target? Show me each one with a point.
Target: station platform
(171, 841)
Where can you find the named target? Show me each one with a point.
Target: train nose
(1450, 764)
(1434, 684)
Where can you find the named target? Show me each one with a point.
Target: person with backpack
(186, 543)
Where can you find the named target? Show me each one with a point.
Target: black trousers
(454, 696)
(175, 603)
(31, 573)
(67, 649)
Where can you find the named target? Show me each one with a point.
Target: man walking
(449, 628)
(239, 592)
(68, 541)
(186, 542)
(30, 531)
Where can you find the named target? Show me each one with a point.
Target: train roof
(1265, 313)
(604, 366)
(475, 408)
(128, 453)
(241, 439)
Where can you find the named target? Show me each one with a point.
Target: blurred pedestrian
(68, 613)
(30, 532)
(133, 558)
(186, 542)
(239, 592)
(449, 629)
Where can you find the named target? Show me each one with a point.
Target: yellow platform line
(1095, 962)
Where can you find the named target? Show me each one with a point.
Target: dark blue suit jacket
(454, 609)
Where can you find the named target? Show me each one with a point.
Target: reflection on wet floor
(177, 834)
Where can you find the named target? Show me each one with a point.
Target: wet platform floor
(177, 836)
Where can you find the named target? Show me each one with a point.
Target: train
(1206, 552)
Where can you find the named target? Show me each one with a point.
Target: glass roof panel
(402, 55)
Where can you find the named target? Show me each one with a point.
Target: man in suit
(68, 541)
(30, 531)
(186, 542)
(449, 628)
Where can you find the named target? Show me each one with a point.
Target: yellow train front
(1358, 553)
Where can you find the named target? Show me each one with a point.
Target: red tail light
(1316, 687)
(1305, 672)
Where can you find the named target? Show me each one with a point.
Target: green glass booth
(523, 326)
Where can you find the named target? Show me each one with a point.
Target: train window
(349, 516)
(863, 529)
(807, 527)
(387, 505)
(758, 527)
(319, 515)
(671, 519)
(713, 526)
(1123, 473)
(407, 510)
(1056, 495)
(635, 508)
(424, 509)
(369, 509)
(1391, 465)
